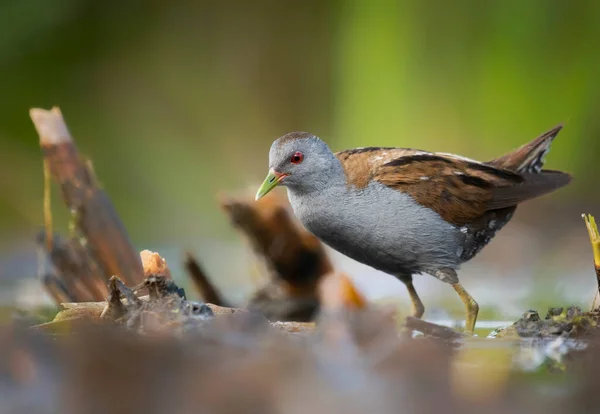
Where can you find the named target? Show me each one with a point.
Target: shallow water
(526, 354)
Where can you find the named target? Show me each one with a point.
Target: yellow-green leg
(471, 306)
(417, 306)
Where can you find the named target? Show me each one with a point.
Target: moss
(569, 322)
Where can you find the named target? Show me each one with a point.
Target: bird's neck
(331, 179)
(312, 202)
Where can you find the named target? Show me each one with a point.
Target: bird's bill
(271, 181)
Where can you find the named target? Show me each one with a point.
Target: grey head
(301, 162)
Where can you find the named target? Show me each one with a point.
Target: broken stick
(73, 266)
(592, 229)
(96, 217)
(431, 329)
(207, 290)
(295, 259)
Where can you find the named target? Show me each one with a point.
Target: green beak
(271, 181)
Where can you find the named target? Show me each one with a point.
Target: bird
(405, 211)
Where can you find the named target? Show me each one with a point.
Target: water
(524, 354)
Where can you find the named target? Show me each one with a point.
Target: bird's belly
(384, 229)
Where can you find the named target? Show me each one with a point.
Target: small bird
(406, 211)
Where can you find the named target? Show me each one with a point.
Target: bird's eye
(297, 158)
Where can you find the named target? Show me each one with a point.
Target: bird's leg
(417, 306)
(471, 306)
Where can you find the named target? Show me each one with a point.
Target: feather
(528, 157)
(461, 190)
(534, 185)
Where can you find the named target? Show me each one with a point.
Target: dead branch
(207, 290)
(96, 217)
(55, 288)
(74, 267)
(276, 303)
(295, 259)
(154, 265)
(592, 229)
(431, 329)
(291, 252)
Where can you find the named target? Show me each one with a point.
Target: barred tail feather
(528, 158)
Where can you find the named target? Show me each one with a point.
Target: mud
(570, 322)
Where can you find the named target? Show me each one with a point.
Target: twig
(295, 259)
(74, 267)
(115, 308)
(592, 229)
(276, 304)
(291, 252)
(207, 290)
(96, 217)
(47, 205)
(431, 329)
(56, 288)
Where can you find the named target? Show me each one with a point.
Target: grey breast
(380, 227)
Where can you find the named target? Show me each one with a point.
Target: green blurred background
(177, 101)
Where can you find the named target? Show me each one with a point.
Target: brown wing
(361, 164)
(459, 190)
(534, 185)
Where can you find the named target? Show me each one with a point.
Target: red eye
(297, 158)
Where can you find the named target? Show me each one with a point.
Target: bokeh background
(176, 102)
